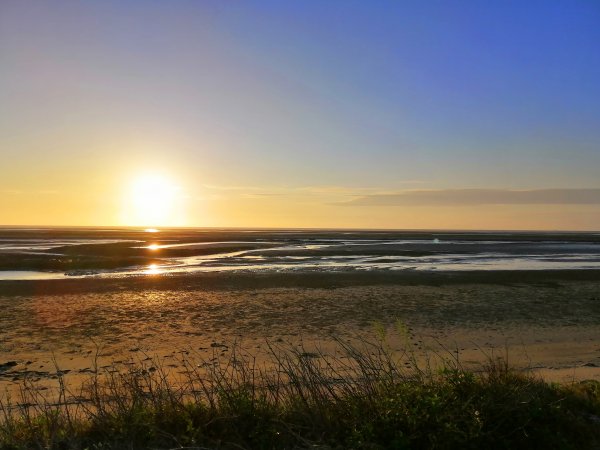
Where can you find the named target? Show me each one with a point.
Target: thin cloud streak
(473, 197)
(317, 190)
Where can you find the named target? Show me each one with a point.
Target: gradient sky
(378, 114)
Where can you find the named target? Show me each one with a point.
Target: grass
(364, 398)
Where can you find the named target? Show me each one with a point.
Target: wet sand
(546, 321)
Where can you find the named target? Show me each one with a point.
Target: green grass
(364, 398)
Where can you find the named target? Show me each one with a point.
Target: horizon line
(240, 228)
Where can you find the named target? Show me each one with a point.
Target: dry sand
(549, 323)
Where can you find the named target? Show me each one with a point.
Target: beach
(292, 225)
(542, 321)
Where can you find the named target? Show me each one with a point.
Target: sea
(59, 253)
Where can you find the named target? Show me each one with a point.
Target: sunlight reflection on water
(273, 253)
(153, 269)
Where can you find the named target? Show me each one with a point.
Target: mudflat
(545, 321)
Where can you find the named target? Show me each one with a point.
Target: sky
(325, 114)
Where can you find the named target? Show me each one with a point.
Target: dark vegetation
(363, 398)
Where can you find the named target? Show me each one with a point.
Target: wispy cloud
(335, 190)
(274, 191)
(216, 187)
(451, 197)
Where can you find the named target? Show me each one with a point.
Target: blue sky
(244, 103)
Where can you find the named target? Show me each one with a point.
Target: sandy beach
(543, 321)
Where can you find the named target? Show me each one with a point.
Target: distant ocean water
(52, 253)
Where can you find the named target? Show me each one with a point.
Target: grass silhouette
(366, 397)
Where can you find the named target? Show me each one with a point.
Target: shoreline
(308, 279)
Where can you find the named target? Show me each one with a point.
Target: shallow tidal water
(54, 253)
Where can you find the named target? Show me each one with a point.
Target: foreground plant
(366, 397)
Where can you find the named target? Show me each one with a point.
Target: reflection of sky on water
(241, 262)
(29, 275)
(200, 245)
(46, 244)
(332, 254)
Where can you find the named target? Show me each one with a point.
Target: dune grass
(363, 397)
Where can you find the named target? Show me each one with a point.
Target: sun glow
(153, 199)
(153, 269)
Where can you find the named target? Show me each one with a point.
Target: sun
(153, 200)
